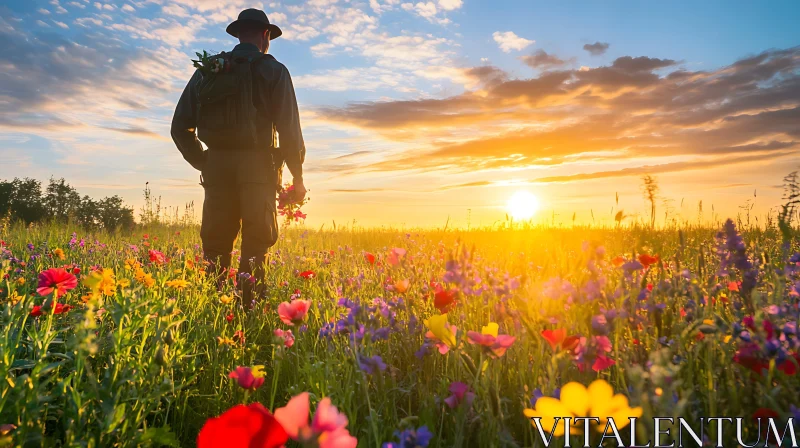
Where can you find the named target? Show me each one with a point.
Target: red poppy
(229, 317)
(56, 279)
(243, 427)
(602, 363)
(307, 274)
(444, 299)
(618, 261)
(76, 271)
(646, 260)
(60, 308)
(370, 257)
(36, 311)
(554, 337)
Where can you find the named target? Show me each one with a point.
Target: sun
(522, 205)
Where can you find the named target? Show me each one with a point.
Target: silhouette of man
(243, 107)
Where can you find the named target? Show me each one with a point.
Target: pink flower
(603, 343)
(156, 257)
(286, 336)
(460, 394)
(395, 255)
(328, 427)
(496, 345)
(602, 363)
(250, 379)
(443, 348)
(56, 279)
(294, 312)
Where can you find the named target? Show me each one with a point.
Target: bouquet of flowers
(287, 207)
(208, 63)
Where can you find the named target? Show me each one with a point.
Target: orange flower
(648, 260)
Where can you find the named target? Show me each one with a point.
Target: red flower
(229, 317)
(60, 308)
(554, 337)
(443, 300)
(243, 427)
(370, 257)
(307, 274)
(646, 260)
(602, 363)
(76, 271)
(247, 377)
(156, 256)
(56, 279)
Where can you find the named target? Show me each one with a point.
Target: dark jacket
(276, 104)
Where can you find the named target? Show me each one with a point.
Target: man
(236, 107)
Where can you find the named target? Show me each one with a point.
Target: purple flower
(459, 394)
(600, 324)
(411, 438)
(371, 365)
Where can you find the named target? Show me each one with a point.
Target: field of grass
(139, 348)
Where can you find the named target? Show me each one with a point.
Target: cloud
(508, 41)
(449, 5)
(625, 112)
(597, 48)
(541, 59)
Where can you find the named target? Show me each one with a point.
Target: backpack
(227, 115)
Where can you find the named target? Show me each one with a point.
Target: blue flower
(411, 438)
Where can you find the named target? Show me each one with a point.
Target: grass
(143, 365)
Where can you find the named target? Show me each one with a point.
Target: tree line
(24, 200)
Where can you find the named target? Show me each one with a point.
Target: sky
(426, 113)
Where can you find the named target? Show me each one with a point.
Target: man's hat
(254, 16)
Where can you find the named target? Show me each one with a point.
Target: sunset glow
(522, 205)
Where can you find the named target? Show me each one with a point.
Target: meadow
(393, 338)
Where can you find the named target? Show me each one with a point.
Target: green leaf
(159, 437)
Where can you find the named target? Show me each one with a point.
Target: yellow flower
(21, 281)
(124, 282)
(226, 299)
(491, 329)
(439, 327)
(131, 264)
(708, 321)
(108, 284)
(258, 371)
(178, 283)
(14, 298)
(598, 400)
(59, 253)
(225, 341)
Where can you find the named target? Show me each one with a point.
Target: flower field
(380, 338)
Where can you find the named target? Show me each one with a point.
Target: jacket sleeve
(287, 121)
(184, 124)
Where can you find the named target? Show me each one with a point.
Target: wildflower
(371, 365)
(307, 274)
(294, 312)
(401, 286)
(411, 438)
(242, 427)
(285, 336)
(156, 257)
(555, 337)
(369, 257)
(56, 279)
(59, 308)
(459, 394)
(225, 341)
(647, 260)
(229, 317)
(495, 344)
(576, 400)
(225, 299)
(442, 332)
(20, 281)
(328, 428)
(600, 324)
(602, 362)
(248, 378)
(444, 300)
(178, 284)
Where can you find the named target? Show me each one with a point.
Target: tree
(61, 200)
(22, 200)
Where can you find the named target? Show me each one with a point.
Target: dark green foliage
(23, 200)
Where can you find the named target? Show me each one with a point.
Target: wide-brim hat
(255, 16)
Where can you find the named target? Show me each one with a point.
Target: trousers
(240, 191)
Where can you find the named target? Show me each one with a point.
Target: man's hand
(299, 192)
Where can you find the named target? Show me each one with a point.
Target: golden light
(522, 205)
